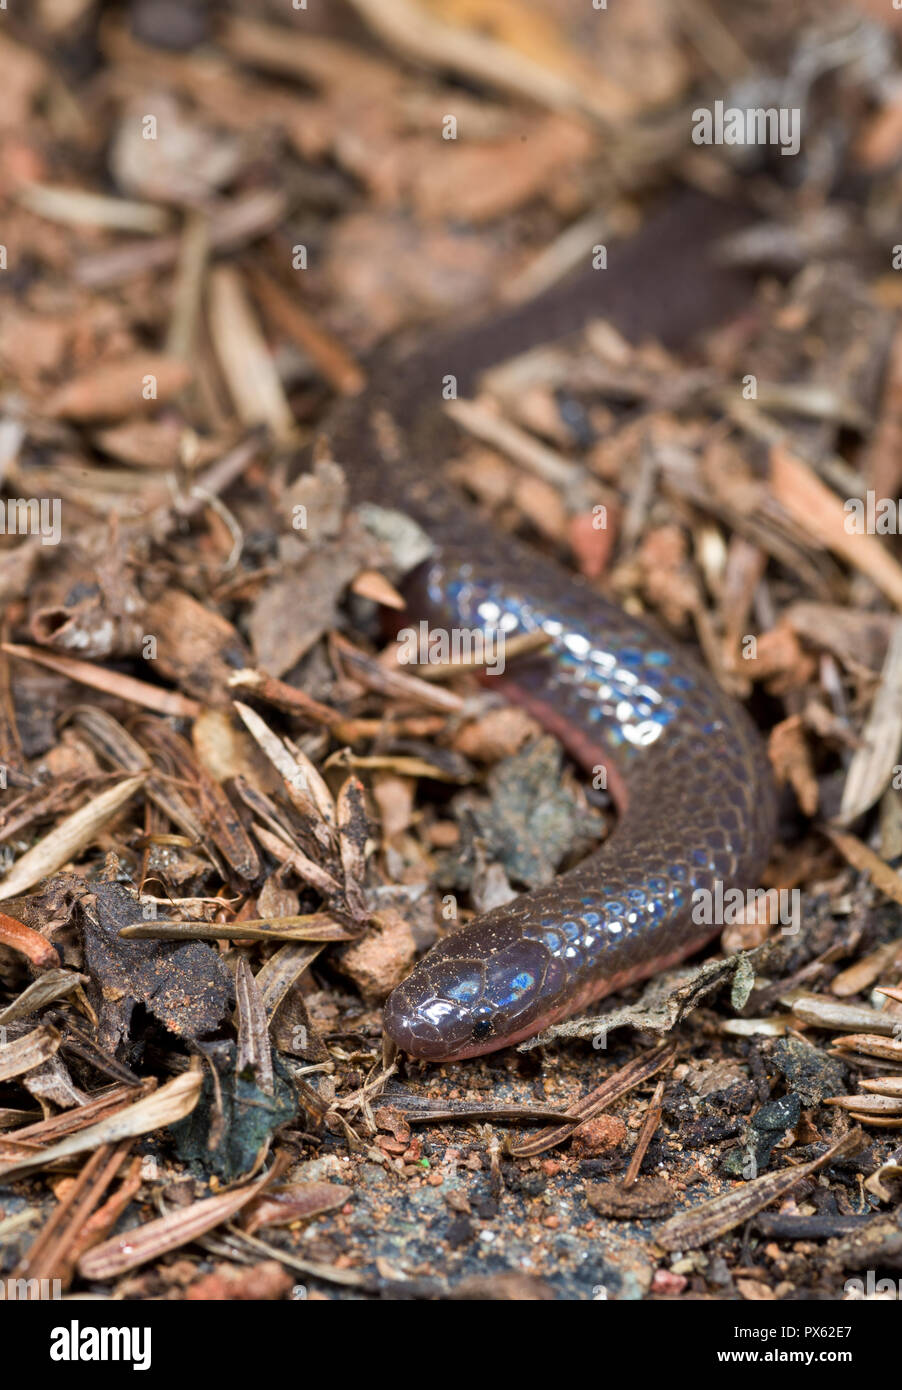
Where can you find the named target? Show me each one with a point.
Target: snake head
(470, 996)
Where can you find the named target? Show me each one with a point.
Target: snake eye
(481, 1029)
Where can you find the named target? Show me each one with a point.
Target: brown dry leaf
(150, 443)
(497, 734)
(196, 648)
(861, 857)
(779, 660)
(395, 798)
(319, 500)
(297, 608)
(185, 985)
(667, 577)
(791, 758)
(855, 637)
(223, 749)
(33, 345)
(128, 386)
(593, 545)
(23, 75)
(818, 511)
(542, 505)
(295, 1202)
(388, 269)
(484, 182)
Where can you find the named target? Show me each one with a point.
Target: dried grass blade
(112, 682)
(54, 984)
(704, 1223)
(305, 868)
(163, 1107)
(135, 1247)
(306, 790)
(315, 926)
(630, 1076)
(254, 1048)
(72, 834)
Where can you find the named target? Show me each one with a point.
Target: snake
(684, 763)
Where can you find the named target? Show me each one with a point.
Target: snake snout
(425, 1024)
(460, 1005)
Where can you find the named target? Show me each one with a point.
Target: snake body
(685, 764)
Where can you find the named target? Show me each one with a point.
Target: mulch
(230, 821)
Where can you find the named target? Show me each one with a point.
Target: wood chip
(28, 1052)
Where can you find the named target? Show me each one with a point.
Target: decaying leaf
(185, 986)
